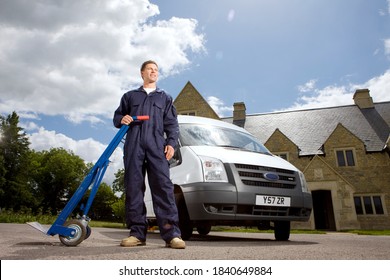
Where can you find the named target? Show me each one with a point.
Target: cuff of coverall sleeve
(171, 143)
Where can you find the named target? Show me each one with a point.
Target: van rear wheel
(185, 223)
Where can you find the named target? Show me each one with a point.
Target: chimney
(239, 114)
(363, 99)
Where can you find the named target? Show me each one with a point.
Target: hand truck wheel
(88, 234)
(80, 233)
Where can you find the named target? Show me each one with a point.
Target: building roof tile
(309, 129)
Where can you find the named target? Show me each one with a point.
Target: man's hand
(169, 151)
(126, 120)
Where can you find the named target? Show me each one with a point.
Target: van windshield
(205, 135)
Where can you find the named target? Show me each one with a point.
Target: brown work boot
(176, 243)
(132, 241)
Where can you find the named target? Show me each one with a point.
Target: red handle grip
(140, 118)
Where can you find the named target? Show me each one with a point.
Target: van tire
(203, 229)
(282, 230)
(185, 223)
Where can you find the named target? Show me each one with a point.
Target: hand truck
(72, 232)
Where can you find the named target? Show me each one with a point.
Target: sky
(64, 65)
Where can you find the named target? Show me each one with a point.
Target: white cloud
(76, 58)
(342, 95)
(387, 47)
(88, 149)
(379, 87)
(308, 86)
(331, 96)
(388, 6)
(219, 106)
(231, 15)
(169, 41)
(327, 97)
(29, 126)
(387, 11)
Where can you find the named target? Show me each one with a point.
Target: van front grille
(254, 175)
(270, 211)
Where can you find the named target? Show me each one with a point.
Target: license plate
(270, 200)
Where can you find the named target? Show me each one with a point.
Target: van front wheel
(282, 230)
(185, 223)
(203, 229)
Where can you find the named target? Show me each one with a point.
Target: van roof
(182, 119)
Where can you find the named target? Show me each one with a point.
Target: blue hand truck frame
(74, 231)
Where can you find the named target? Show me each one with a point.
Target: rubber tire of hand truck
(88, 234)
(78, 237)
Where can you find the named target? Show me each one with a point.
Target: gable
(319, 170)
(191, 102)
(342, 137)
(278, 142)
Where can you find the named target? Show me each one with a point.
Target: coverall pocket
(158, 110)
(158, 104)
(134, 110)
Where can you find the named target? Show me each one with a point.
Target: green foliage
(14, 188)
(25, 215)
(118, 185)
(368, 232)
(119, 210)
(33, 183)
(102, 204)
(55, 175)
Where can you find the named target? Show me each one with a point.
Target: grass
(45, 219)
(304, 231)
(368, 232)
(244, 229)
(106, 224)
(7, 216)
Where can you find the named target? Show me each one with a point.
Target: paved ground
(22, 242)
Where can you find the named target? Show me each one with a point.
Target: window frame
(189, 113)
(279, 154)
(346, 152)
(361, 209)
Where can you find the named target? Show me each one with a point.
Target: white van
(224, 176)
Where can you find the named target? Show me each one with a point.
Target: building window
(369, 205)
(189, 113)
(345, 158)
(378, 205)
(282, 155)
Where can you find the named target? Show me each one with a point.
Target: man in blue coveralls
(147, 150)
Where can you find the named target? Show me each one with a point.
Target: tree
(118, 186)
(58, 173)
(118, 207)
(102, 204)
(14, 150)
(44, 180)
(2, 178)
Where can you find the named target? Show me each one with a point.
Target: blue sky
(65, 64)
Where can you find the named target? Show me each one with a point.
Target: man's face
(150, 73)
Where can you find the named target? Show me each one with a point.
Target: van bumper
(219, 203)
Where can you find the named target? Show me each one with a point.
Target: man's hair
(146, 63)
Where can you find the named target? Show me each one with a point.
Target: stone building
(343, 151)
(191, 102)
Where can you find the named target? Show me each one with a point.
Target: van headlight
(213, 170)
(303, 182)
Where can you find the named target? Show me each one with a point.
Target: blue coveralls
(144, 151)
